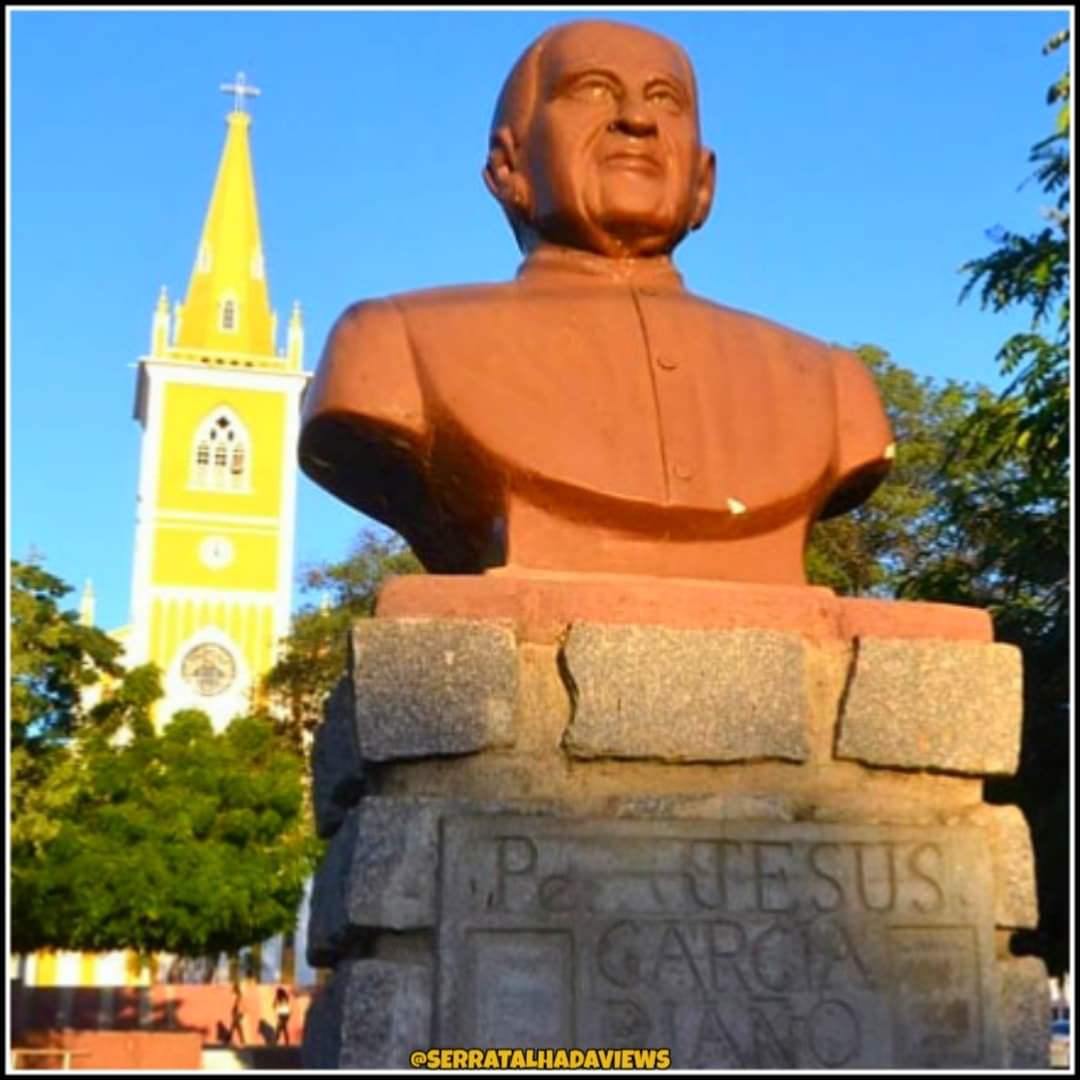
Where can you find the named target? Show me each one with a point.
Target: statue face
(613, 155)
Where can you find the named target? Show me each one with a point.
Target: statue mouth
(634, 161)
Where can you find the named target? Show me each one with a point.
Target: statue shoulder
(865, 447)
(763, 332)
(361, 322)
(384, 319)
(449, 298)
(366, 371)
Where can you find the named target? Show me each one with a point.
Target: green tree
(186, 841)
(183, 841)
(1032, 417)
(976, 512)
(55, 660)
(881, 545)
(313, 655)
(1017, 529)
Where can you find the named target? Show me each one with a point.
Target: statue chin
(630, 230)
(639, 237)
(616, 232)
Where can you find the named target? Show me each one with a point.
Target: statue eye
(666, 98)
(592, 88)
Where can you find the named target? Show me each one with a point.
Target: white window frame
(221, 458)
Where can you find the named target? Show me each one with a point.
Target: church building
(219, 406)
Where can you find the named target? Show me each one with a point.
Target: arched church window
(228, 314)
(222, 459)
(202, 463)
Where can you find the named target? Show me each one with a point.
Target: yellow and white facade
(219, 406)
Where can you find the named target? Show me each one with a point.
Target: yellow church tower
(219, 406)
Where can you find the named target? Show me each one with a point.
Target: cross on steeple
(240, 90)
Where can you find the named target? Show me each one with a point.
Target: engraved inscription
(758, 946)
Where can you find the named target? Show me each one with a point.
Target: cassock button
(667, 361)
(682, 471)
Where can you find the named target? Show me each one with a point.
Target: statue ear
(706, 188)
(504, 175)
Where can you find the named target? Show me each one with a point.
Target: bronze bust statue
(593, 415)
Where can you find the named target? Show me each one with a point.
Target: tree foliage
(878, 548)
(186, 841)
(976, 510)
(313, 655)
(54, 659)
(122, 837)
(1019, 528)
(1033, 271)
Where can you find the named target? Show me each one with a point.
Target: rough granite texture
(370, 1016)
(1016, 903)
(391, 881)
(336, 765)
(1025, 1012)
(328, 920)
(950, 706)
(381, 868)
(454, 717)
(686, 695)
(379, 871)
(321, 1046)
(427, 687)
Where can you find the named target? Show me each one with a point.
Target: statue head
(596, 143)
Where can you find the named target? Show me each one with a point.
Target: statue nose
(633, 119)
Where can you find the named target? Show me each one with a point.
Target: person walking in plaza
(236, 1021)
(282, 1009)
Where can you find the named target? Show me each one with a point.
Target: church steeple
(228, 303)
(86, 605)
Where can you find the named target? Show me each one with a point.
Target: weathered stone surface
(737, 806)
(952, 706)
(756, 946)
(392, 874)
(336, 765)
(1016, 903)
(321, 1047)
(370, 1016)
(328, 922)
(428, 687)
(380, 871)
(686, 695)
(1025, 1006)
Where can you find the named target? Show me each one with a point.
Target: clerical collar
(550, 262)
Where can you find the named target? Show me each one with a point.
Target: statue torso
(587, 422)
(629, 396)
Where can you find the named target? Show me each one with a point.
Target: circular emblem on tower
(209, 669)
(216, 552)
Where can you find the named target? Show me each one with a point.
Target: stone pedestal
(741, 823)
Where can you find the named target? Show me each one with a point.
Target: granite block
(1016, 903)
(948, 706)
(1025, 1008)
(686, 695)
(336, 766)
(372, 1015)
(429, 686)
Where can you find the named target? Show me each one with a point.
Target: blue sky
(862, 157)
